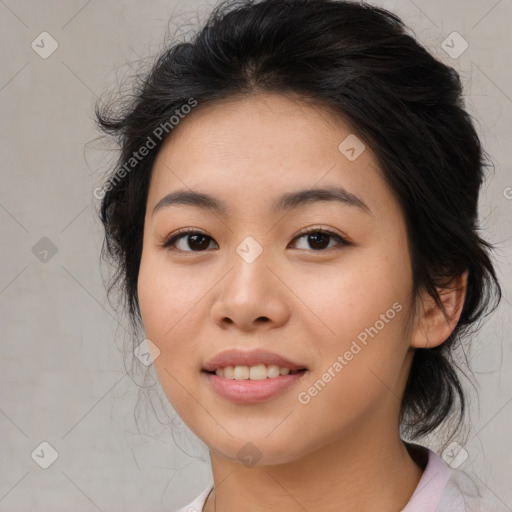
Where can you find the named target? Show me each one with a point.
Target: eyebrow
(287, 201)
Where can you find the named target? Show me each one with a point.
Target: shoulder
(197, 504)
(444, 489)
(462, 493)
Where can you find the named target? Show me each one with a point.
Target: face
(335, 301)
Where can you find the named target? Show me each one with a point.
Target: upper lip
(235, 357)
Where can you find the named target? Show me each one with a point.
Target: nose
(251, 295)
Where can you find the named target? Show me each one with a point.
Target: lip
(236, 357)
(251, 391)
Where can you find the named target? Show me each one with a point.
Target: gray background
(63, 375)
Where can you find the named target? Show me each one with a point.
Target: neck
(360, 472)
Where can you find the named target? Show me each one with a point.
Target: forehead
(264, 146)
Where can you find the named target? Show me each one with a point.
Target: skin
(342, 450)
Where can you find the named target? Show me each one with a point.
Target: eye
(197, 240)
(319, 239)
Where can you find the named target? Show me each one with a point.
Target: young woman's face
(255, 281)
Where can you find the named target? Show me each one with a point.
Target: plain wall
(63, 379)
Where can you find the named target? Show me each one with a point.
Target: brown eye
(194, 241)
(318, 240)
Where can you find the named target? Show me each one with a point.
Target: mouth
(254, 384)
(256, 364)
(256, 372)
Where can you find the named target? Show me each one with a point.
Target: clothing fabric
(440, 489)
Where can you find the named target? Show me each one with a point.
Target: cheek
(346, 298)
(169, 320)
(168, 315)
(166, 297)
(361, 313)
(153, 298)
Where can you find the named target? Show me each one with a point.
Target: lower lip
(251, 391)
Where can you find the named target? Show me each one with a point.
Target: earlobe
(433, 325)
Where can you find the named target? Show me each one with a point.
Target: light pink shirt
(440, 489)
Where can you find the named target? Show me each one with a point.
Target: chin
(254, 451)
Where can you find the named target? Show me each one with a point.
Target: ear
(432, 327)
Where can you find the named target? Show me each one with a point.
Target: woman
(293, 218)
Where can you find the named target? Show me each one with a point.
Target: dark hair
(359, 62)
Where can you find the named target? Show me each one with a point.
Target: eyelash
(173, 238)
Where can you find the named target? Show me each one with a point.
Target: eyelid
(342, 239)
(316, 228)
(173, 237)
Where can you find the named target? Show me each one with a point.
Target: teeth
(257, 372)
